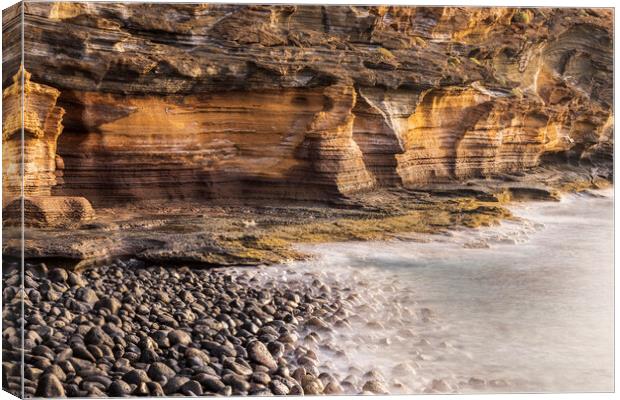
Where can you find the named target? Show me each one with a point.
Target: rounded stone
(375, 386)
(259, 353)
(49, 386)
(159, 371)
(175, 383)
(179, 337)
(119, 388)
(110, 303)
(58, 275)
(193, 387)
(279, 388)
(136, 376)
(211, 382)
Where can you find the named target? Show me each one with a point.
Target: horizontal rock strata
(41, 123)
(197, 101)
(46, 211)
(31, 167)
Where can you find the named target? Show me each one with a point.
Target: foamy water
(525, 307)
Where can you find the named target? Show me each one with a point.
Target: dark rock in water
(317, 323)
(374, 375)
(276, 349)
(333, 387)
(375, 387)
(283, 371)
(259, 353)
(313, 386)
(476, 383)
(307, 361)
(299, 373)
(50, 386)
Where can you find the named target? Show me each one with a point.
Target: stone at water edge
(313, 386)
(333, 387)
(259, 353)
(375, 387)
(317, 323)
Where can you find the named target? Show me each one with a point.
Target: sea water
(523, 307)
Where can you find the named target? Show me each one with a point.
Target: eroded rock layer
(30, 130)
(216, 101)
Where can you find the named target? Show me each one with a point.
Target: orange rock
(41, 128)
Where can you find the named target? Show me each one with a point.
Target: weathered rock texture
(11, 104)
(46, 211)
(177, 101)
(41, 127)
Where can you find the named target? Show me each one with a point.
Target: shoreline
(227, 331)
(118, 323)
(214, 235)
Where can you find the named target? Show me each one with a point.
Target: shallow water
(532, 312)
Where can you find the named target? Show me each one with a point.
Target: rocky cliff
(41, 127)
(180, 101)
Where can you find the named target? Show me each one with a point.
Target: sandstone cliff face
(176, 101)
(41, 123)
